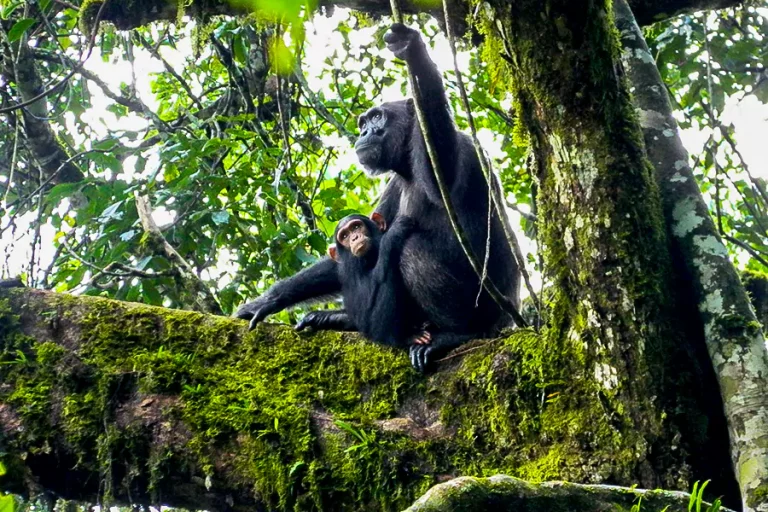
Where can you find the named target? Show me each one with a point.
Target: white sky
(749, 116)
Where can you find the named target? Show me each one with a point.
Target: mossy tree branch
(111, 402)
(53, 161)
(501, 492)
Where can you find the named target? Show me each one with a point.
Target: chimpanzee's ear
(410, 106)
(332, 252)
(379, 220)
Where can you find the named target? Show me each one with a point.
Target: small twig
(156, 53)
(48, 271)
(746, 247)
(319, 107)
(49, 179)
(466, 350)
(13, 163)
(301, 199)
(718, 208)
(201, 297)
(760, 187)
(321, 175)
(111, 268)
(526, 215)
(68, 5)
(34, 259)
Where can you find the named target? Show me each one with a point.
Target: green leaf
(7, 503)
(151, 293)
(220, 217)
(128, 235)
(60, 191)
(9, 8)
(18, 29)
(304, 256)
(761, 91)
(317, 242)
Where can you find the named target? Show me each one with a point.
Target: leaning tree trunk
(734, 338)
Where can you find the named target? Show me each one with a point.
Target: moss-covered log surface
(120, 402)
(500, 492)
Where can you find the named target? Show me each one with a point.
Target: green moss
(758, 496)
(89, 9)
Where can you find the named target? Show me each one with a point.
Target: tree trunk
(599, 215)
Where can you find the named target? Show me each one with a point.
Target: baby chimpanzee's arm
(391, 246)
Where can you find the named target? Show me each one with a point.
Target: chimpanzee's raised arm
(407, 44)
(319, 280)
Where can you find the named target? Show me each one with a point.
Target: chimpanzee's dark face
(384, 131)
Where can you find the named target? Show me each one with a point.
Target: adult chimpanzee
(434, 268)
(376, 302)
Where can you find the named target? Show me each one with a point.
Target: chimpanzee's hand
(421, 356)
(312, 320)
(258, 310)
(329, 320)
(403, 41)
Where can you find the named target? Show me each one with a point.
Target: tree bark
(598, 211)
(733, 336)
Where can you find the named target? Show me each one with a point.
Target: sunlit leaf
(281, 58)
(18, 29)
(7, 503)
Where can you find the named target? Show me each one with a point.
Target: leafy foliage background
(248, 171)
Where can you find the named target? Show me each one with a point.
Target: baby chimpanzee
(376, 302)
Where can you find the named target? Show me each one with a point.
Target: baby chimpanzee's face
(354, 235)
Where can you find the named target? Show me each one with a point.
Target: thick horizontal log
(128, 15)
(107, 401)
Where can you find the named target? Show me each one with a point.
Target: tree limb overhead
(128, 15)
